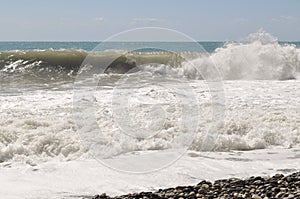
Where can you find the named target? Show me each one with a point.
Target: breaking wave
(261, 57)
(253, 60)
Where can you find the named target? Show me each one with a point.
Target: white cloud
(99, 19)
(285, 19)
(145, 19)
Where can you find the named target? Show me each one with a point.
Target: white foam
(260, 57)
(257, 61)
(259, 114)
(45, 157)
(74, 179)
(262, 36)
(37, 125)
(242, 61)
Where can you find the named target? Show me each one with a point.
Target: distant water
(89, 46)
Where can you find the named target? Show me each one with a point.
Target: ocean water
(90, 46)
(76, 121)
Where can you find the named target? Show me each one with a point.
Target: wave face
(40, 65)
(66, 63)
(251, 61)
(261, 58)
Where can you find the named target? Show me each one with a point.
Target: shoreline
(56, 179)
(256, 187)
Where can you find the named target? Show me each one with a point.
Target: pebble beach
(255, 187)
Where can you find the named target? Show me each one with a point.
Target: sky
(96, 20)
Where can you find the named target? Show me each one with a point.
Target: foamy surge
(259, 115)
(38, 126)
(241, 61)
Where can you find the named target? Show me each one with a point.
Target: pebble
(277, 186)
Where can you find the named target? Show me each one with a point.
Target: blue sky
(95, 20)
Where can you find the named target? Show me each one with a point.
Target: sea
(82, 118)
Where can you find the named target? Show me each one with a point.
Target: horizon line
(91, 41)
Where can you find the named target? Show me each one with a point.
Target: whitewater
(152, 127)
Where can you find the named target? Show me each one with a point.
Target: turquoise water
(89, 46)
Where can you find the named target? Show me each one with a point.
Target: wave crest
(257, 61)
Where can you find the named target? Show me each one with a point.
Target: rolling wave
(252, 60)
